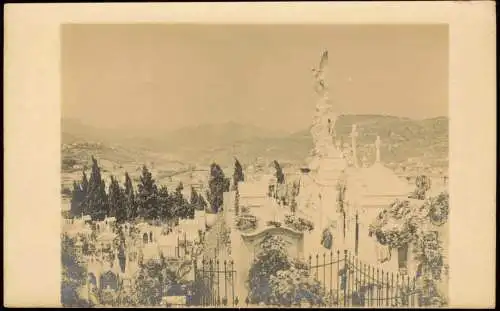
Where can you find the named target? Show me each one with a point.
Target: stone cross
(377, 146)
(354, 135)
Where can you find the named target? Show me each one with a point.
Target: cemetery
(338, 231)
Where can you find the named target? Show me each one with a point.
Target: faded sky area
(162, 77)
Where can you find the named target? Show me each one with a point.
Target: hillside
(402, 139)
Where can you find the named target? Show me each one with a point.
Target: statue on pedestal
(319, 74)
(323, 127)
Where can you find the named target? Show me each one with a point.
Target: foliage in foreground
(277, 279)
(73, 275)
(401, 224)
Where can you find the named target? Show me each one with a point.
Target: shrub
(298, 223)
(401, 224)
(275, 278)
(438, 209)
(246, 223)
(273, 223)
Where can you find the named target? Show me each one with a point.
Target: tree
(227, 184)
(237, 201)
(117, 201)
(122, 258)
(96, 198)
(216, 186)
(76, 200)
(165, 203)
(196, 201)
(85, 183)
(280, 177)
(193, 200)
(130, 203)
(202, 203)
(79, 195)
(238, 173)
(85, 188)
(180, 203)
(147, 196)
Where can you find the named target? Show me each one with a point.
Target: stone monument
(327, 163)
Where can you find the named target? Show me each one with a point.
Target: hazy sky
(170, 76)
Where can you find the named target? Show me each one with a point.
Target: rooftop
(377, 180)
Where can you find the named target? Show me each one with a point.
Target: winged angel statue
(319, 74)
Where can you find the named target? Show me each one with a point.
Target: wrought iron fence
(214, 283)
(348, 282)
(345, 280)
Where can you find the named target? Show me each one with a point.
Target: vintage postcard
(260, 163)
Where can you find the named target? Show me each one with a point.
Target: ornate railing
(357, 284)
(214, 283)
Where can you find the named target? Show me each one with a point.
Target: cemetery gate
(214, 283)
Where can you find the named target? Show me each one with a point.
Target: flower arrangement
(394, 227)
(299, 223)
(273, 223)
(428, 251)
(246, 223)
(438, 209)
(400, 224)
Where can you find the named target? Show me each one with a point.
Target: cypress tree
(193, 200)
(238, 173)
(217, 184)
(202, 203)
(112, 198)
(96, 197)
(117, 202)
(197, 201)
(76, 200)
(165, 212)
(237, 201)
(280, 177)
(84, 193)
(147, 196)
(180, 203)
(85, 183)
(130, 203)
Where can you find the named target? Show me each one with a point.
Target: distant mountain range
(402, 139)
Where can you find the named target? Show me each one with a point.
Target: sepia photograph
(246, 155)
(254, 165)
